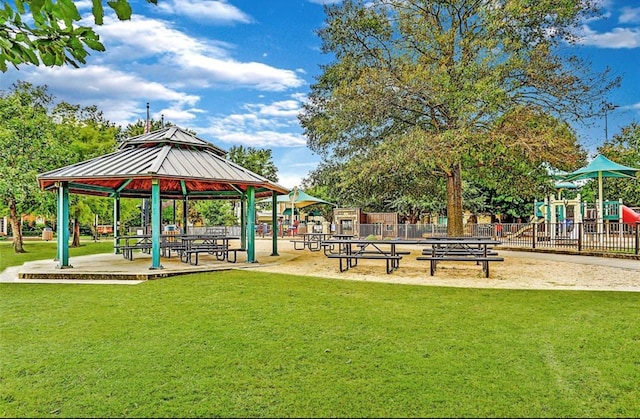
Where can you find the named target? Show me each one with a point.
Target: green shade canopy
(288, 212)
(302, 200)
(601, 167)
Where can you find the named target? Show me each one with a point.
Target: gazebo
(169, 163)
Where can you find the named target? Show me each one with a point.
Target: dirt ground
(520, 270)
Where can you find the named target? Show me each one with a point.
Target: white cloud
(616, 38)
(325, 1)
(189, 60)
(262, 125)
(280, 109)
(213, 11)
(255, 75)
(143, 37)
(258, 139)
(118, 94)
(630, 15)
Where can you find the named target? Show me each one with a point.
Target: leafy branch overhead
(47, 32)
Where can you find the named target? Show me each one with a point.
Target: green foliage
(421, 89)
(38, 135)
(259, 161)
(28, 145)
(45, 32)
(87, 134)
(216, 213)
(139, 127)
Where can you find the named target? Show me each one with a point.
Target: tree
(87, 134)
(28, 147)
(140, 127)
(216, 212)
(259, 161)
(452, 85)
(45, 32)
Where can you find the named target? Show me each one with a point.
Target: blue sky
(238, 71)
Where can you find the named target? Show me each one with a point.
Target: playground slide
(629, 215)
(522, 230)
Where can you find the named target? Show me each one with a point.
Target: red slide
(629, 215)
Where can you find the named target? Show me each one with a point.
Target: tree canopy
(46, 32)
(258, 160)
(28, 146)
(449, 88)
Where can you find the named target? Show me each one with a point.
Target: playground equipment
(629, 216)
(561, 214)
(558, 217)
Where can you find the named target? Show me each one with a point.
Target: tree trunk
(76, 233)
(454, 201)
(16, 228)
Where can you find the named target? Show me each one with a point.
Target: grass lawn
(40, 250)
(251, 344)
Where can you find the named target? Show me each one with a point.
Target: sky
(237, 72)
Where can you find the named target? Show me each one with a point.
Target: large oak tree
(447, 87)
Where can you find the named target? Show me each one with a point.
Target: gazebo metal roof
(185, 165)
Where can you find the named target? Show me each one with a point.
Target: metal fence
(607, 238)
(610, 237)
(215, 230)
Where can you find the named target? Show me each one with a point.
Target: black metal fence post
(580, 231)
(534, 229)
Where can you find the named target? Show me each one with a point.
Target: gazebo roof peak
(184, 165)
(173, 136)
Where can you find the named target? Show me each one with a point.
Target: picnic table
(217, 245)
(311, 241)
(140, 242)
(460, 249)
(186, 246)
(349, 251)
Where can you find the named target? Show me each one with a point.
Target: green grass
(40, 250)
(250, 344)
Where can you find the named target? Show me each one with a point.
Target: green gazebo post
(274, 224)
(156, 213)
(251, 221)
(63, 226)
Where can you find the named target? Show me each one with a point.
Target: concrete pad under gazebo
(169, 163)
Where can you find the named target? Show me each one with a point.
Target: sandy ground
(520, 270)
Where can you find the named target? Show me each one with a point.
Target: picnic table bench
(186, 246)
(219, 252)
(311, 241)
(217, 246)
(459, 249)
(351, 260)
(131, 243)
(349, 251)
